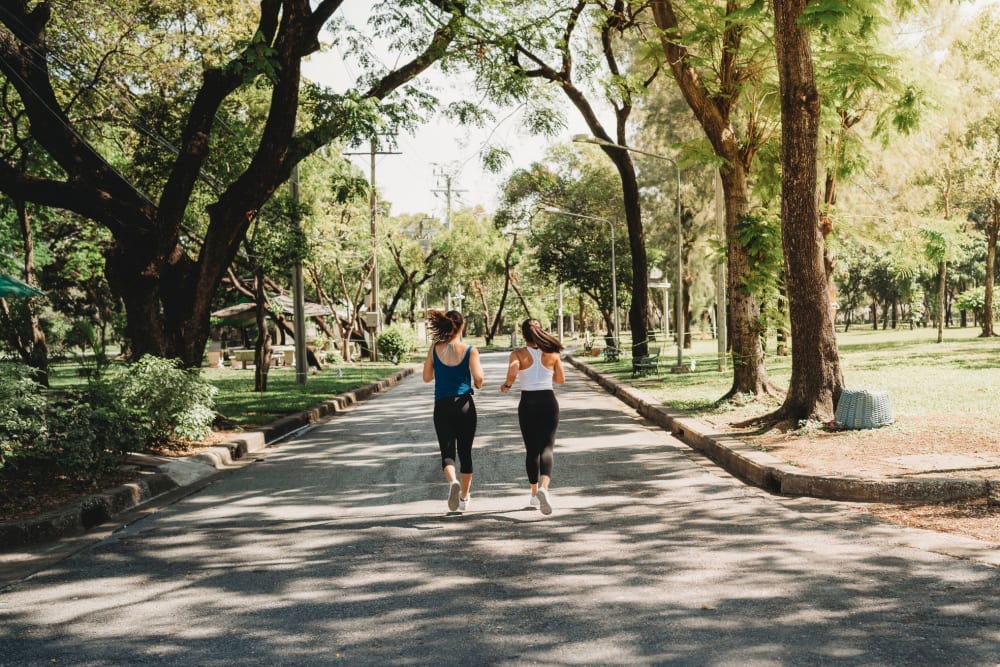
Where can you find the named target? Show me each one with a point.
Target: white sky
(408, 180)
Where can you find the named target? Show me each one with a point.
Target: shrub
(173, 403)
(79, 435)
(22, 412)
(395, 343)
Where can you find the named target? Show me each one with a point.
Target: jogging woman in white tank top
(537, 365)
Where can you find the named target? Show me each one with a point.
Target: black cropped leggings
(538, 415)
(455, 423)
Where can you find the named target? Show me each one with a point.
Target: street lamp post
(678, 301)
(614, 283)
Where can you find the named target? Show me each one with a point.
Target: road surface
(337, 548)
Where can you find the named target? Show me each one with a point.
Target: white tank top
(536, 377)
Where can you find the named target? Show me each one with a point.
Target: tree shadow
(338, 548)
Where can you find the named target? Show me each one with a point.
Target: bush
(78, 435)
(173, 403)
(395, 343)
(22, 412)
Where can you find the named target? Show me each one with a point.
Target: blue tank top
(452, 380)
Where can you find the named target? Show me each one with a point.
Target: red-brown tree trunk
(816, 381)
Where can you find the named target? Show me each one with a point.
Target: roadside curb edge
(770, 473)
(93, 510)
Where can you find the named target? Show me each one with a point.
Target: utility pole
(447, 190)
(373, 302)
(298, 298)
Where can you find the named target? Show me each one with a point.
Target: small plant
(174, 403)
(395, 343)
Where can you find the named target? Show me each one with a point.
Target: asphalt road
(337, 548)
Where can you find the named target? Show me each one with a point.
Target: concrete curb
(165, 474)
(772, 474)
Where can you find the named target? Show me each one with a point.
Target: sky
(408, 180)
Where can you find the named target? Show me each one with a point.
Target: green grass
(960, 376)
(238, 401)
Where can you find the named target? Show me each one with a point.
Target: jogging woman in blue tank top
(455, 369)
(537, 365)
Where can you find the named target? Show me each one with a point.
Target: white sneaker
(463, 503)
(453, 494)
(533, 501)
(543, 501)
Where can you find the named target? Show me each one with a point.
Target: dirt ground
(869, 453)
(938, 446)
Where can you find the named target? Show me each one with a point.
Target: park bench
(612, 353)
(646, 365)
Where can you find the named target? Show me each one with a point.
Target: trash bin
(863, 408)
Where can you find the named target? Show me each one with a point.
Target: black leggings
(455, 424)
(538, 415)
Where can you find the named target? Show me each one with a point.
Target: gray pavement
(336, 547)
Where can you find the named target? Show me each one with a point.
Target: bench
(647, 365)
(612, 353)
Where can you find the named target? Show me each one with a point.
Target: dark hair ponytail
(444, 326)
(533, 333)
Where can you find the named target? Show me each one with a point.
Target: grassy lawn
(960, 376)
(238, 401)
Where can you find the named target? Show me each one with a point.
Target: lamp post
(614, 282)
(679, 302)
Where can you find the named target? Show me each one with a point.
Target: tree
(417, 259)
(980, 185)
(567, 249)
(715, 92)
(816, 381)
(551, 44)
(168, 292)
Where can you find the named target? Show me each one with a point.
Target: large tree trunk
(749, 369)
(167, 294)
(637, 248)
(816, 381)
(713, 112)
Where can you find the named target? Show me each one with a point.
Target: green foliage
(396, 343)
(173, 403)
(972, 301)
(761, 236)
(78, 434)
(257, 59)
(495, 159)
(22, 412)
(88, 434)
